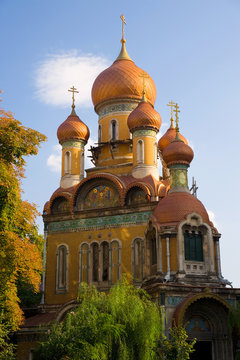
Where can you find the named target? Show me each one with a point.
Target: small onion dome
(73, 128)
(122, 80)
(177, 153)
(168, 137)
(174, 208)
(144, 116)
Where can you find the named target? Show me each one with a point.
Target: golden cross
(122, 17)
(73, 90)
(144, 76)
(176, 114)
(171, 103)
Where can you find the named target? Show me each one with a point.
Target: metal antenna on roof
(194, 187)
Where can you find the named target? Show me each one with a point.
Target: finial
(171, 103)
(73, 90)
(123, 53)
(177, 138)
(144, 76)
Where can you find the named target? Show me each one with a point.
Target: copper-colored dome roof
(176, 206)
(177, 153)
(144, 116)
(122, 81)
(168, 137)
(72, 128)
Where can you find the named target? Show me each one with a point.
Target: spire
(73, 90)
(144, 76)
(171, 103)
(123, 55)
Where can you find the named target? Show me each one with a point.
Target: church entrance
(203, 350)
(206, 320)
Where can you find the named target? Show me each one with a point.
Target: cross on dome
(176, 114)
(171, 103)
(144, 76)
(122, 17)
(73, 90)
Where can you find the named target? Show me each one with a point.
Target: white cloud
(58, 72)
(54, 160)
(212, 218)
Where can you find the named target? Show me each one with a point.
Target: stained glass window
(101, 196)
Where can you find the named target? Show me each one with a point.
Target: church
(123, 216)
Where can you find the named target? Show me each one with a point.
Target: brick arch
(58, 196)
(116, 182)
(146, 188)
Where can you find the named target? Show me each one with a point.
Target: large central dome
(122, 80)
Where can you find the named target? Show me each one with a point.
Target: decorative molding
(73, 144)
(128, 107)
(99, 222)
(147, 132)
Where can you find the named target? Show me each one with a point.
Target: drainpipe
(44, 263)
(167, 277)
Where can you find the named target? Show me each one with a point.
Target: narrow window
(153, 251)
(100, 133)
(105, 261)
(62, 267)
(84, 263)
(140, 152)
(114, 125)
(95, 262)
(82, 164)
(67, 162)
(115, 261)
(138, 259)
(193, 246)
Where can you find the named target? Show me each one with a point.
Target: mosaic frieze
(174, 300)
(73, 144)
(99, 222)
(147, 132)
(117, 108)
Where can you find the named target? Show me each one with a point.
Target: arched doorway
(206, 319)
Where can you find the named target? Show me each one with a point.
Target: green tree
(124, 324)
(20, 244)
(177, 346)
(234, 326)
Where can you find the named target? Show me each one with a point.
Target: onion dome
(122, 80)
(168, 137)
(144, 116)
(174, 208)
(73, 128)
(177, 152)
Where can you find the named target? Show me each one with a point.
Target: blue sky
(190, 49)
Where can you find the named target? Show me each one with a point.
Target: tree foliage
(124, 324)
(176, 347)
(20, 243)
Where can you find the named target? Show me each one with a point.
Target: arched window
(60, 205)
(140, 152)
(136, 196)
(82, 164)
(62, 268)
(95, 262)
(114, 130)
(155, 154)
(138, 260)
(115, 261)
(67, 162)
(153, 250)
(84, 263)
(105, 261)
(193, 246)
(99, 133)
